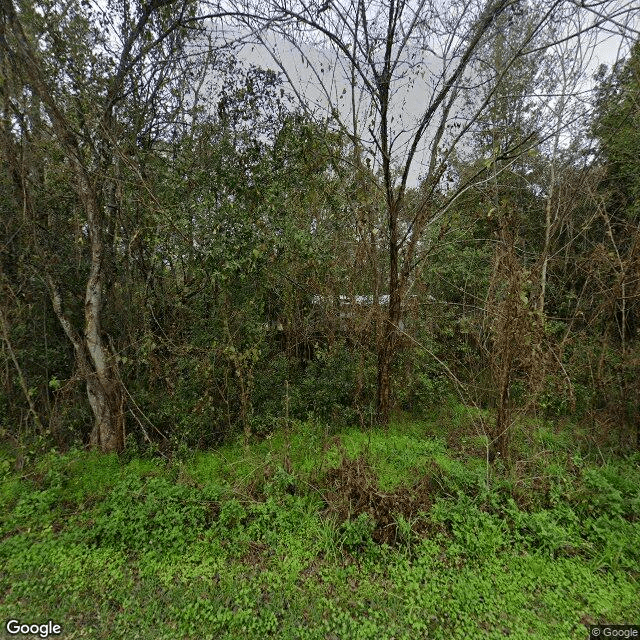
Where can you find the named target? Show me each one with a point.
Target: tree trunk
(387, 343)
(385, 358)
(103, 388)
(502, 439)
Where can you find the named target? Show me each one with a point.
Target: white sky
(314, 71)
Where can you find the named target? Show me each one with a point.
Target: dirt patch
(352, 489)
(256, 554)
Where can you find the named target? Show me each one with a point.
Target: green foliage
(356, 534)
(617, 129)
(152, 515)
(231, 544)
(228, 217)
(327, 390)
(474, 532)
(424, 382)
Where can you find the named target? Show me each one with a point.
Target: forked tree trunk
(105, 398)
(103, 387)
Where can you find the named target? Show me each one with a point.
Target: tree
(379, 50)
(529, 118)
(617, 197)
(69, 72)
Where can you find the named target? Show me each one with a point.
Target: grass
(283, 540)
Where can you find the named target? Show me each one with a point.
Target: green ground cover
(387, 534)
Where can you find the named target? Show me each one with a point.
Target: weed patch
(407, 540)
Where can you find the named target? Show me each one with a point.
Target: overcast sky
(321, 82)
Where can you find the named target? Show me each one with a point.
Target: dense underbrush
(378, 535)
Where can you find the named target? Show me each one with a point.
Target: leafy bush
(327, 389)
